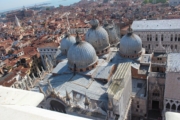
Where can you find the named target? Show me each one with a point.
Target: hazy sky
(10, 4)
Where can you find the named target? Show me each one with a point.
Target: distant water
(55, 3)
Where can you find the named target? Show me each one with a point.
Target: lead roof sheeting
(82, 81)
(103, 71)
(94, 91)
(155, 25)
(61, 68)
(119, 75)
(121, 71)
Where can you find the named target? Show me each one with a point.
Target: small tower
(86, 103)
(110, 109)
(67, 97)
(38, 72)
(17, 22)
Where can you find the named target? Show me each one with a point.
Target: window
(162, 37)
(176, 37)
(150, 38)
(178, 109)
(171, 37)
(175, 46)
(156, 37)
(157, 69)
(147, 37)
(137, 106)
(173, 107)
(168, 106)
(171, 47)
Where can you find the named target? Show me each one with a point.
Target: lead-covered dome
(81, 56)
(130, 45)
(97, 36)
(66, 43)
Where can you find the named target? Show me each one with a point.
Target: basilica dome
(66, 43)
(81, 56)
(98, 37)
(130, 45)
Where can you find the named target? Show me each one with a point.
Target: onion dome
(81, 56)
(66, 43)
(130, 45)
(113, 36)
(97, 36)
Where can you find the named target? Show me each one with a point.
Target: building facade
(151, 31)
(174, 2)
(171, 94)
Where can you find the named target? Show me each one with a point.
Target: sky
(10, 4)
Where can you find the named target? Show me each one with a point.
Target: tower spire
(17, 22)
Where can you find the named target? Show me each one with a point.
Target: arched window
(150, 38)
(147, 37)
(167, 106)
(175, 46)
(156, 37)
(162, 37)
(178, 109)
(171, 37)
(173, 107)
(175, 37)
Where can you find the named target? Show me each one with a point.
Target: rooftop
(155, 25)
